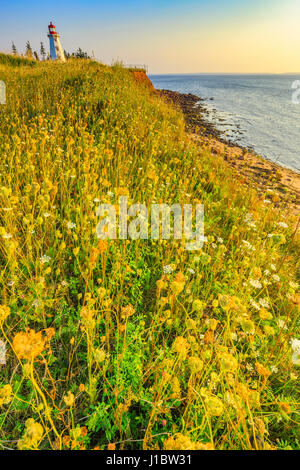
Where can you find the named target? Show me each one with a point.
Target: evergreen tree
(28, 51)
(43, 51)
(67, 54)
(80, 54)
(14, 49)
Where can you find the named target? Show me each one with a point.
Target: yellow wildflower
(265, 315)
(228, 362)
(101, 292)
(191, 324)
(269, 330)
(256, 273)
(254, 398)
(99, 355)
(181, 346)
(195, 364)
(247, 325)
(182, 442)
(102, 246)
(127, 311)
(5, 394)
(262, 370)
(179, 277)
(197, 306)
(4, 312)
(179, 442)
(177, 287)
(161, 284)
(212, 323)
(32, 435)
(29, 344)
(175, 386)
(214, 405)
(87, 317)
(69, 399)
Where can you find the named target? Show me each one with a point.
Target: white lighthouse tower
(56, 52)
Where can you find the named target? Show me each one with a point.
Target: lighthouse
(56, 52)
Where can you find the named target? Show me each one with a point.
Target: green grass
(15, 61)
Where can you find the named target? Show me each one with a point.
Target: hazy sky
(170, 36)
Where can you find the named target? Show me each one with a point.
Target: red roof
(51, 27)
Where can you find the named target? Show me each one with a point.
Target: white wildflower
(248, 245)
(281, 324)
(276, 278)
(254, 304)
(2, 352)
(296, 351)
(71, 225)
(255, 283)
(168, 269)
(45, 259)
(282, 225)
(295, 343)
(249, 221)
(264, 303)
(296, 357)
(191, 271)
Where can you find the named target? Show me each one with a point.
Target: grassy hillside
(134, 344)
(16, 61)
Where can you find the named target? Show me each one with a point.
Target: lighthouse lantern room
(56, 52)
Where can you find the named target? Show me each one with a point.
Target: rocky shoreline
(280, 185)
(193, 111)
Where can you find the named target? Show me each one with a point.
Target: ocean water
(255, 111)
